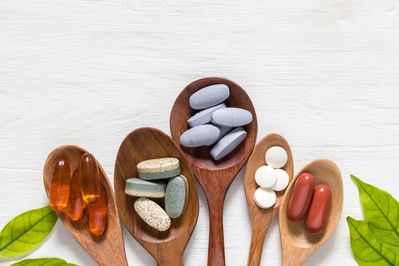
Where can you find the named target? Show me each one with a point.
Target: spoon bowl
(262, 218)
(107, 249)
(215, 177)
(297, 245)
(143, 144)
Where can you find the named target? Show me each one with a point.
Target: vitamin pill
(98, 213)
(228, 143)
(301, 197)
(209, 96)
(59, 185)
(265, 176)
(158, 168)
(231, 117)
(223, 132)
(142, 188)
(264, 197)
(319, 210)
(152, 214)
(90, 178)
(176, 196)
(199, 136)
(76, 205)
(282, 180)
(276, 157)
(204, 116)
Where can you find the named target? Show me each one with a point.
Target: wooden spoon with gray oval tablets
(143, 144)
(107, 249)
(215, 177)
(262, 218)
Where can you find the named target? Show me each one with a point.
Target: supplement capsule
(59, 185)
(301, 197)
(76, 205)
(98, 213)
(319, 210)
(90, 178)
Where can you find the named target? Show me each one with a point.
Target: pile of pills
(306, 199)
(81, 191)
(159, 178)
(270, 177)
(216, 124)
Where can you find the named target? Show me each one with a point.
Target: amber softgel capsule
(59, 185)
(90, 178)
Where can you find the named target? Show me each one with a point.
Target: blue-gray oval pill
(176, 196)
(209, 96)
(231, 117)
(200, 135)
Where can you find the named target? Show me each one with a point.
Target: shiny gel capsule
(231, 117)
(90, 178)
(209, 96)
(98, 213)
(199, 136)
(59, 185)
(76, 205)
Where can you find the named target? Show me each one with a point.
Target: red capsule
(90, 178)
(59, 185)
(301, 197)
(319, 210)
(98, 214)
(76, 205)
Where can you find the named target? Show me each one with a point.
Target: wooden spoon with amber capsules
(107, 249)
(215, 177)
(297, 245)
(262, 218)
(143, 144)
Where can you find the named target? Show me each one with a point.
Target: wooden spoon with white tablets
(262, 218)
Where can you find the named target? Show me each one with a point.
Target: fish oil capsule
(76, 205)
(98, 213)
(90, 178)
(59, 185)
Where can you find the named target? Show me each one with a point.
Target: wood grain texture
(262, 218)
(215, 177)
(322, 74)
(297, 245)
(107, 249)
(142, 144)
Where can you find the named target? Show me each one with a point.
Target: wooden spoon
(143, 144)
(215, 177)
(296, 243)
(107, 249)
(262, 218)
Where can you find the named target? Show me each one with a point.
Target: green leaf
(366, 248)
(382, 214)
(26, 231)
(44, 261)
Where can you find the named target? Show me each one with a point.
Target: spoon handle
(259, 231)
(216, 255)
(175, 262)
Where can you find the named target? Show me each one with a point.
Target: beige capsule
(152, 214)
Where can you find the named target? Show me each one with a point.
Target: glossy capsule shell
(59, 185)
(98, 214)
(319, 210)
(90, 178)
(301, 197)
(76, 205)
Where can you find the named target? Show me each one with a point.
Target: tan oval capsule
(152, 214)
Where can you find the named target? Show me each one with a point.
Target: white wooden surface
(323, 74)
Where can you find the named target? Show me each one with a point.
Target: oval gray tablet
(209, 96)
(223, 132)
(176, 196)
(228, 143)
(199, 136)
(231, 117)
(204, 116)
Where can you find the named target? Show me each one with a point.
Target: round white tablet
(265, 176)
(282, 180)
(276, 157)
(264, 197)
